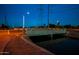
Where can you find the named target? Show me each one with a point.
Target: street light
(27, 13)
(58, 22)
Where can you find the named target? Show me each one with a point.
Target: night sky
(65, 13)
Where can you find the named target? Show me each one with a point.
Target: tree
(3, 26)
(68, 26)
(52, 25)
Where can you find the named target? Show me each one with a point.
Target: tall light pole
(23, 26)
(23, 21)
(27, 13)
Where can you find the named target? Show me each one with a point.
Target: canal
(59, 44)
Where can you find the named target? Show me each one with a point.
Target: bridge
(38, 32)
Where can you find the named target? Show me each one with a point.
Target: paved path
(16, 44)
(73, 33)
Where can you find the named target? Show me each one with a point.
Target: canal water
(59, 44)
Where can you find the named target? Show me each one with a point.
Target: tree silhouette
(3, 26)
(68, 26)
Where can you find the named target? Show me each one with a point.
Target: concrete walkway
(16, 44)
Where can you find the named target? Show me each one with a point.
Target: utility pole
(41, 9)
(5, 20)
(48, 16)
